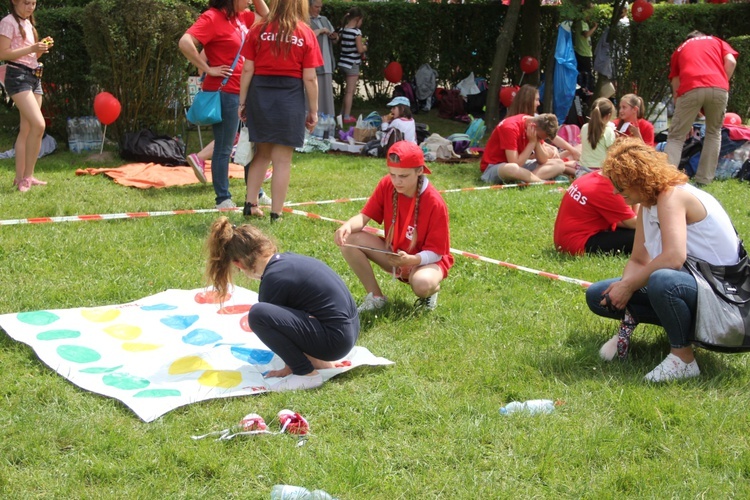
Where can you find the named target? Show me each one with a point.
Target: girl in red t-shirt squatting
(416, 248)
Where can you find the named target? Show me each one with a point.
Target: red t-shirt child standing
(304, 51)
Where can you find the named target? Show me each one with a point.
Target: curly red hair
(630, 163)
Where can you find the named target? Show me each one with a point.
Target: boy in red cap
(416, 248)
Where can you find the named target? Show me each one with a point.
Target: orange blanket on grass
(153, 175)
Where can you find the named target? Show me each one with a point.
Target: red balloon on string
(529, 64)
(641, 10)
(107, 108)
(732, 119)
(393, 72)
(507, 94)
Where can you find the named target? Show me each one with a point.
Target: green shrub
(739, 91)
(134, 55)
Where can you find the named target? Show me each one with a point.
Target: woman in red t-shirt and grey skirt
(280, 60)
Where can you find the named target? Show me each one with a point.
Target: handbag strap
(234, 63)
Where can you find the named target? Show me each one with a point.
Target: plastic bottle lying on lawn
(289, 492)
(531, 407)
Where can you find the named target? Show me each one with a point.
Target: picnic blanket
(160, 352)
(153, 175)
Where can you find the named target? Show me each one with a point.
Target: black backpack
(145, 146)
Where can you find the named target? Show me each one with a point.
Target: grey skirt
(275, 110)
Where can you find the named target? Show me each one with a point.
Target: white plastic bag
(244, 152)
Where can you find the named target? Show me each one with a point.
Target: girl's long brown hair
(20, 26)
(523, 102)
(602, 107)
(228, 243)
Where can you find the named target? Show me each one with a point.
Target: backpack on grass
(476, 131)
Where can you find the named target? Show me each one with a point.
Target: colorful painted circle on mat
(210, 297)
(189, 364)
(159, 307)
(252, 356)
(37, 318)
(58, 334)
(157, 393)
(123, 332)
(237, 309)
(245, 325)
(78, 354)
(100, 315)
(201, 336)
(220, 378)
(125, 381)
(179, 322)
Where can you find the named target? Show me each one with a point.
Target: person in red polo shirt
(700, 70)
(507, 155)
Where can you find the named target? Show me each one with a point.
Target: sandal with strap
(252, 210)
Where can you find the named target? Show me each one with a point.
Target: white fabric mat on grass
(161, 352)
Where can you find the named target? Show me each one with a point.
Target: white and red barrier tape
(288, 209)
(553, 276)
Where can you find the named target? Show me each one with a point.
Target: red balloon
(641, 10)
(529, 64)
(732, 119)
(107, 108)
(393, 72)
(507, 94)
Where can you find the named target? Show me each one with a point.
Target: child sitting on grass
(415, 220)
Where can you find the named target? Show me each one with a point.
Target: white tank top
(712, 239)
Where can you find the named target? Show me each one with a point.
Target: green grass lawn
(427, 426)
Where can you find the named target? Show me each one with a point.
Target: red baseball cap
(405, 154)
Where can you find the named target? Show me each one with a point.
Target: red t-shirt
(588, 207)
(432, 220)
(221, 38)
(303, 53)
(510, 134)
(699, 62)
(645, 127)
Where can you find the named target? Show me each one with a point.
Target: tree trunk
(502, 47)
(531, 19)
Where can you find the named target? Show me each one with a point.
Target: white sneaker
(298, 382)
(673, 368)
(428, 303)
(226, 205)
(372, 303)
(264, 199)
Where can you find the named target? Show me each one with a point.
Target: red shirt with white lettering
(510, 134)
(221, 38)
(304, 51)
(588, 207)
(699, 62)
(432, 220)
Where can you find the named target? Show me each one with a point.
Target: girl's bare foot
(279, 373)
(319, 364)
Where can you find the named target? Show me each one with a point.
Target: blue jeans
(224, 133)
(670, 300)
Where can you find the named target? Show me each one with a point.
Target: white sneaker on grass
(372, 303)
(427, 303)
(298, 382)
(264, 199)
(226, 204)
(673, 368)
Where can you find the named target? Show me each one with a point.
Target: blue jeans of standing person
(291, 334)
(224, 134)
(669, 300)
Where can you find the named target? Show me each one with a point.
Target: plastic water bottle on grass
(531, 407)
(289, 492)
